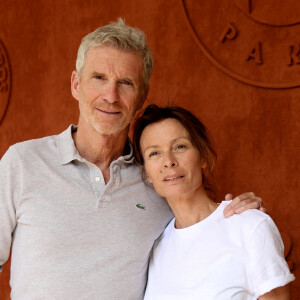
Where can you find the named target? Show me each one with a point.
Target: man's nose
(111, 94)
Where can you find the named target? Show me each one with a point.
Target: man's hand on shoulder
(242, 203)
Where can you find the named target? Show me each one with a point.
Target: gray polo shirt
(72, 236)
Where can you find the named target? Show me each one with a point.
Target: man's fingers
(241, 207)
(245, 205)
(228, 197)
(246, 196)
(242, 203)
(228, 212)
(264, 210)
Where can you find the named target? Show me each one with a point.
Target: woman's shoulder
(247, 221)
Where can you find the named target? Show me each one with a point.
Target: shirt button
(98, 179)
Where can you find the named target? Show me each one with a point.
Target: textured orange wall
(255, 129)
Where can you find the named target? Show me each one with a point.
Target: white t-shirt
(240, 257)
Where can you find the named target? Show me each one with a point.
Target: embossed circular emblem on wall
(253, 41)
(5, 81)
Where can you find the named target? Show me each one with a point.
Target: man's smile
(108, 112)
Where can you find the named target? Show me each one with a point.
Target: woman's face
(172, 163)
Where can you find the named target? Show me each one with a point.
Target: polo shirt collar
(66, 146)
(68, 152)
(128, 158)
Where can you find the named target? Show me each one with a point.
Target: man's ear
(75, 85)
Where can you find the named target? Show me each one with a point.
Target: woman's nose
(170, 161)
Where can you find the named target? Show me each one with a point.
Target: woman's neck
(192, 209)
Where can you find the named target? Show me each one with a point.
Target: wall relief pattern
(5, 81)
(255, 42)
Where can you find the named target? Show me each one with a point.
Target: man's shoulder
(38, 146)
(28, 151)
(42, 141)
(34, 144)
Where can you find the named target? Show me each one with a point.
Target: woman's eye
(153, 153)
(179, 147)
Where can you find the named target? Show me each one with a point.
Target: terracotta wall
(234, 63)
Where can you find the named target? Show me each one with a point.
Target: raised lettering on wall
(255, 42)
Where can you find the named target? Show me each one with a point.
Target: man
(73, 208)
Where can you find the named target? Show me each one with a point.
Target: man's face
(110, 89)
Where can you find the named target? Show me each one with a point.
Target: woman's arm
(280, 293)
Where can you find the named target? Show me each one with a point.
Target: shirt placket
(98, 184)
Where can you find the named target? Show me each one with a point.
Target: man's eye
(125, 82)
(98, 77)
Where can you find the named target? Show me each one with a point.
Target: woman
(202, 254)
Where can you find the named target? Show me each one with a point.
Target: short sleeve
(9, 195)
(268, 268)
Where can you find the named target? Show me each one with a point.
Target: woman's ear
(204, 164)
(147, 176)
(149, 179)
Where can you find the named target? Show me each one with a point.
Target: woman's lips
(172, 178)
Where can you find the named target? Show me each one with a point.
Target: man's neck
(100, 149)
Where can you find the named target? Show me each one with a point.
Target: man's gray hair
(120, 36)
